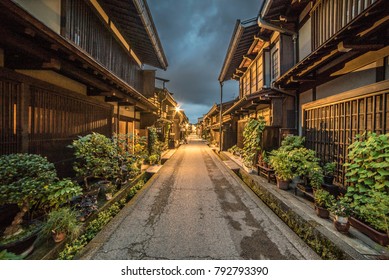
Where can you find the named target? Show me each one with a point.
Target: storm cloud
(195, 35)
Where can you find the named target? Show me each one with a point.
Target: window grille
(330, 129)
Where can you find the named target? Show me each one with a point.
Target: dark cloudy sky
(195, 35)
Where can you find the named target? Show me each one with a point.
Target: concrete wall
(47, 11)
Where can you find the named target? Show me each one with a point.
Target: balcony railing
(85, 29)
(330, 16)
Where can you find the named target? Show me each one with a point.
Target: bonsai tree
(367, 172)
(97, 158)
(24, 180)
(60, 193)
(30, 181)
(60, 223)
(252, 140)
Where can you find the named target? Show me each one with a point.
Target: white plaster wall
(47, 11)
(353, 80)
(305, 40)
(304, 98)
(56, 79)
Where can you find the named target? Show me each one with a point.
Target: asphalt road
(195, 209)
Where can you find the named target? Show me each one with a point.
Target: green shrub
(367, 173)
(62, 220)
(252, 134)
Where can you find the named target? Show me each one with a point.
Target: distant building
(211, 126)
(168, 118)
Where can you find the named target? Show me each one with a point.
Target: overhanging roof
(72, 61)
(242, 38)
(250, 101)
(134, 20)
(360, 35)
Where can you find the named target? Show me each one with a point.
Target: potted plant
(341, 210)
(368, 190)
(323, 200)
(61, 224)
(315, 175)
(282, 167)
(31, 182)
(328, 170)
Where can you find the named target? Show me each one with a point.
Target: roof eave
(148, 23)
(234, 43)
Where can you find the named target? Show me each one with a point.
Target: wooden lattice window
(329, 129)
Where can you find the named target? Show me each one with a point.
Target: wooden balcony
(330, 16)
(84, 28)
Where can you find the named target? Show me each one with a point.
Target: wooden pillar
(23, 121)
(277, 111)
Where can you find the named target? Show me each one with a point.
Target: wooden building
(168, 118)
(256, 57)
(318, 68)
(72, 67)
(341, 74)
(211, 126)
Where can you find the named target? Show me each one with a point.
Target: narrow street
(194, 209)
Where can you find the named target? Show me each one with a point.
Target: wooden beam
(250, 57)
(30, 32)
(54, 64)
(301, 80)
(54, 47)
(113, 99)
(345, 47)
(362, 60)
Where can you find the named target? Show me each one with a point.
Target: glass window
(275, 65)
(254, 78)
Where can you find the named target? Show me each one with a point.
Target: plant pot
(23, 246)
(342, 224)
(249, 170)
(377, 236)
(282, 185)
(58, 236)
(328, 180)
(322, 212)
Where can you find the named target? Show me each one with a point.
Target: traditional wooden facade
(72, 67)
(256, 57)
(211, 126)
(168, 118)
(341, 75)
